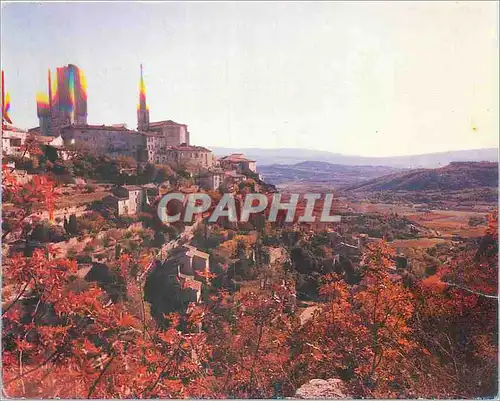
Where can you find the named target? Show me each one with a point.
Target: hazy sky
(374, 79)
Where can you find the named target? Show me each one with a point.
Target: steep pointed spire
(142, 108)
(142, 93)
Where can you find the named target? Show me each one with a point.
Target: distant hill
(298, 155)
(320, 174)
(455, 176)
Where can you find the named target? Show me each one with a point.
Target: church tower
(142, 108)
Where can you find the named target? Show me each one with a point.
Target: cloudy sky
(373, 79)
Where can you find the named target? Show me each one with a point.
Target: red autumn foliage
(64, 338)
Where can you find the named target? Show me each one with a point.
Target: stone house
(12, 141)
(187, 155)
(126, 200)
(57, 143)
(114, 140)
(190, 289)
(136, 197)
(233, 178)
(271, 254)
(190, 261)
(173, 133)
(212, 179)
(238, 162)
(155, 143)
(118, 204)
(181, 270)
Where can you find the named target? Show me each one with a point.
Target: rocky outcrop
(322, 389)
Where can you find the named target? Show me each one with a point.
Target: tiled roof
(11, 128)
(114, 198)
(189, 148)
(100, 127)
(165, 122)
(131, 187)
(44, 139)
(150, 185)
(235, 158)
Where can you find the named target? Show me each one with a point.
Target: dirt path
(307, 313)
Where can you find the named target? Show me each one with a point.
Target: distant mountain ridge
(455, 176)
(298, 155)
(321, 173)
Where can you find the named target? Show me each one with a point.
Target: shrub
(85, 258)
(57, 233)
(89, 188)
(88, 248)
(41, 232)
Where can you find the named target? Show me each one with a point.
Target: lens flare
(6, 108)
(82, 90)
(42, 104)
(142, 94)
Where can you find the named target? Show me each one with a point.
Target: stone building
(232, 178)
(238, 162)
(188, 156)
(190, 289)
(127, 200)
(105, 139)
(183, 268)
(155, 144)
(57, 143)
(211, 179)
(66, 102)
(13, 140)
(190, 261)
(118, 204)
(175, 134)
(158, 142)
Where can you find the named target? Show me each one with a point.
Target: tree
(56, 233)
(385, 308)
(159, 239)
(456, 320)
(331, 343)
(72, 225)
(64, 339)
(162, 174)
(25, 199)
(363, 336)
(149, 173)
(41, 232)
(249, 334)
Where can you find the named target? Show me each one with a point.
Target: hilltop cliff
(455, 176)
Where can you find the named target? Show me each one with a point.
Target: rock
(321, 389)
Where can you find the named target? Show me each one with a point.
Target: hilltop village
(63, 128)
(107, 180)
(101, 299)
